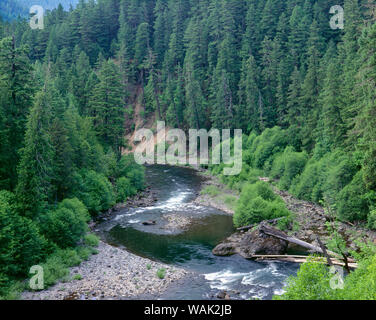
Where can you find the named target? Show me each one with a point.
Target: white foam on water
(222, 279)
(173, 203)
(134, 221)
(279, 292)
(122, 216)
(274, 270)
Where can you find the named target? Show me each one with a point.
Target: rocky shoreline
(112, 274)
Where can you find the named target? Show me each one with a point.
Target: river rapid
(190, 247)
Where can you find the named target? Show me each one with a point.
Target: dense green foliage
(22, 245)
(258, 203)
(66, 225)
(315, 282)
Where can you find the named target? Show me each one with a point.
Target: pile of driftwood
(332, 258)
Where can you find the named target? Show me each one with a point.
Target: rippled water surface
(191, 248)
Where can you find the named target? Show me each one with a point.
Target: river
(191, 248)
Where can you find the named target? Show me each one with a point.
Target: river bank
(112, 274)
(310, 219)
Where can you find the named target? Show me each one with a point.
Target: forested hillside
(302, 93)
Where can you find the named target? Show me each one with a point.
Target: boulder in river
(149, 223)
(251, 243)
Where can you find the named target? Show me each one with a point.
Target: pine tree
(107, 106)
(142, 43)
(271, 55)
(223, 108)
(247, 110)
(82, 71)
(299, 35)
(175, 54)
(294, 113)
(309, 100)
(349, 60)
(162, 30)
(34, 188)
(176, 100)
(269, 19)
(333, 133)
(195, 103)
(16, 96)
(153, 82)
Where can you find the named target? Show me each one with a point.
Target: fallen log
(281, 235)
(330, 263)
(300, 259)
(254, 225)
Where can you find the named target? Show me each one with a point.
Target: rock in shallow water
(250, 244)
(149, 223)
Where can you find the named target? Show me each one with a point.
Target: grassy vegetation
(230, 201)
(77, 277)
(91, 240)
(212, 191)
(161, 273)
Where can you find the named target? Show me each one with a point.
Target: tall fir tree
(107, 104)
(16, 98)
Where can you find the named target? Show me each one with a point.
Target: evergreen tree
(333, 133)
(16, 96)
(195, 105)
(349, 60)
(309, 100)
(247, 111)
(223, 111)
(107, 104)
(34, 188)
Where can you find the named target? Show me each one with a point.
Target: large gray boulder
(251, 243)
